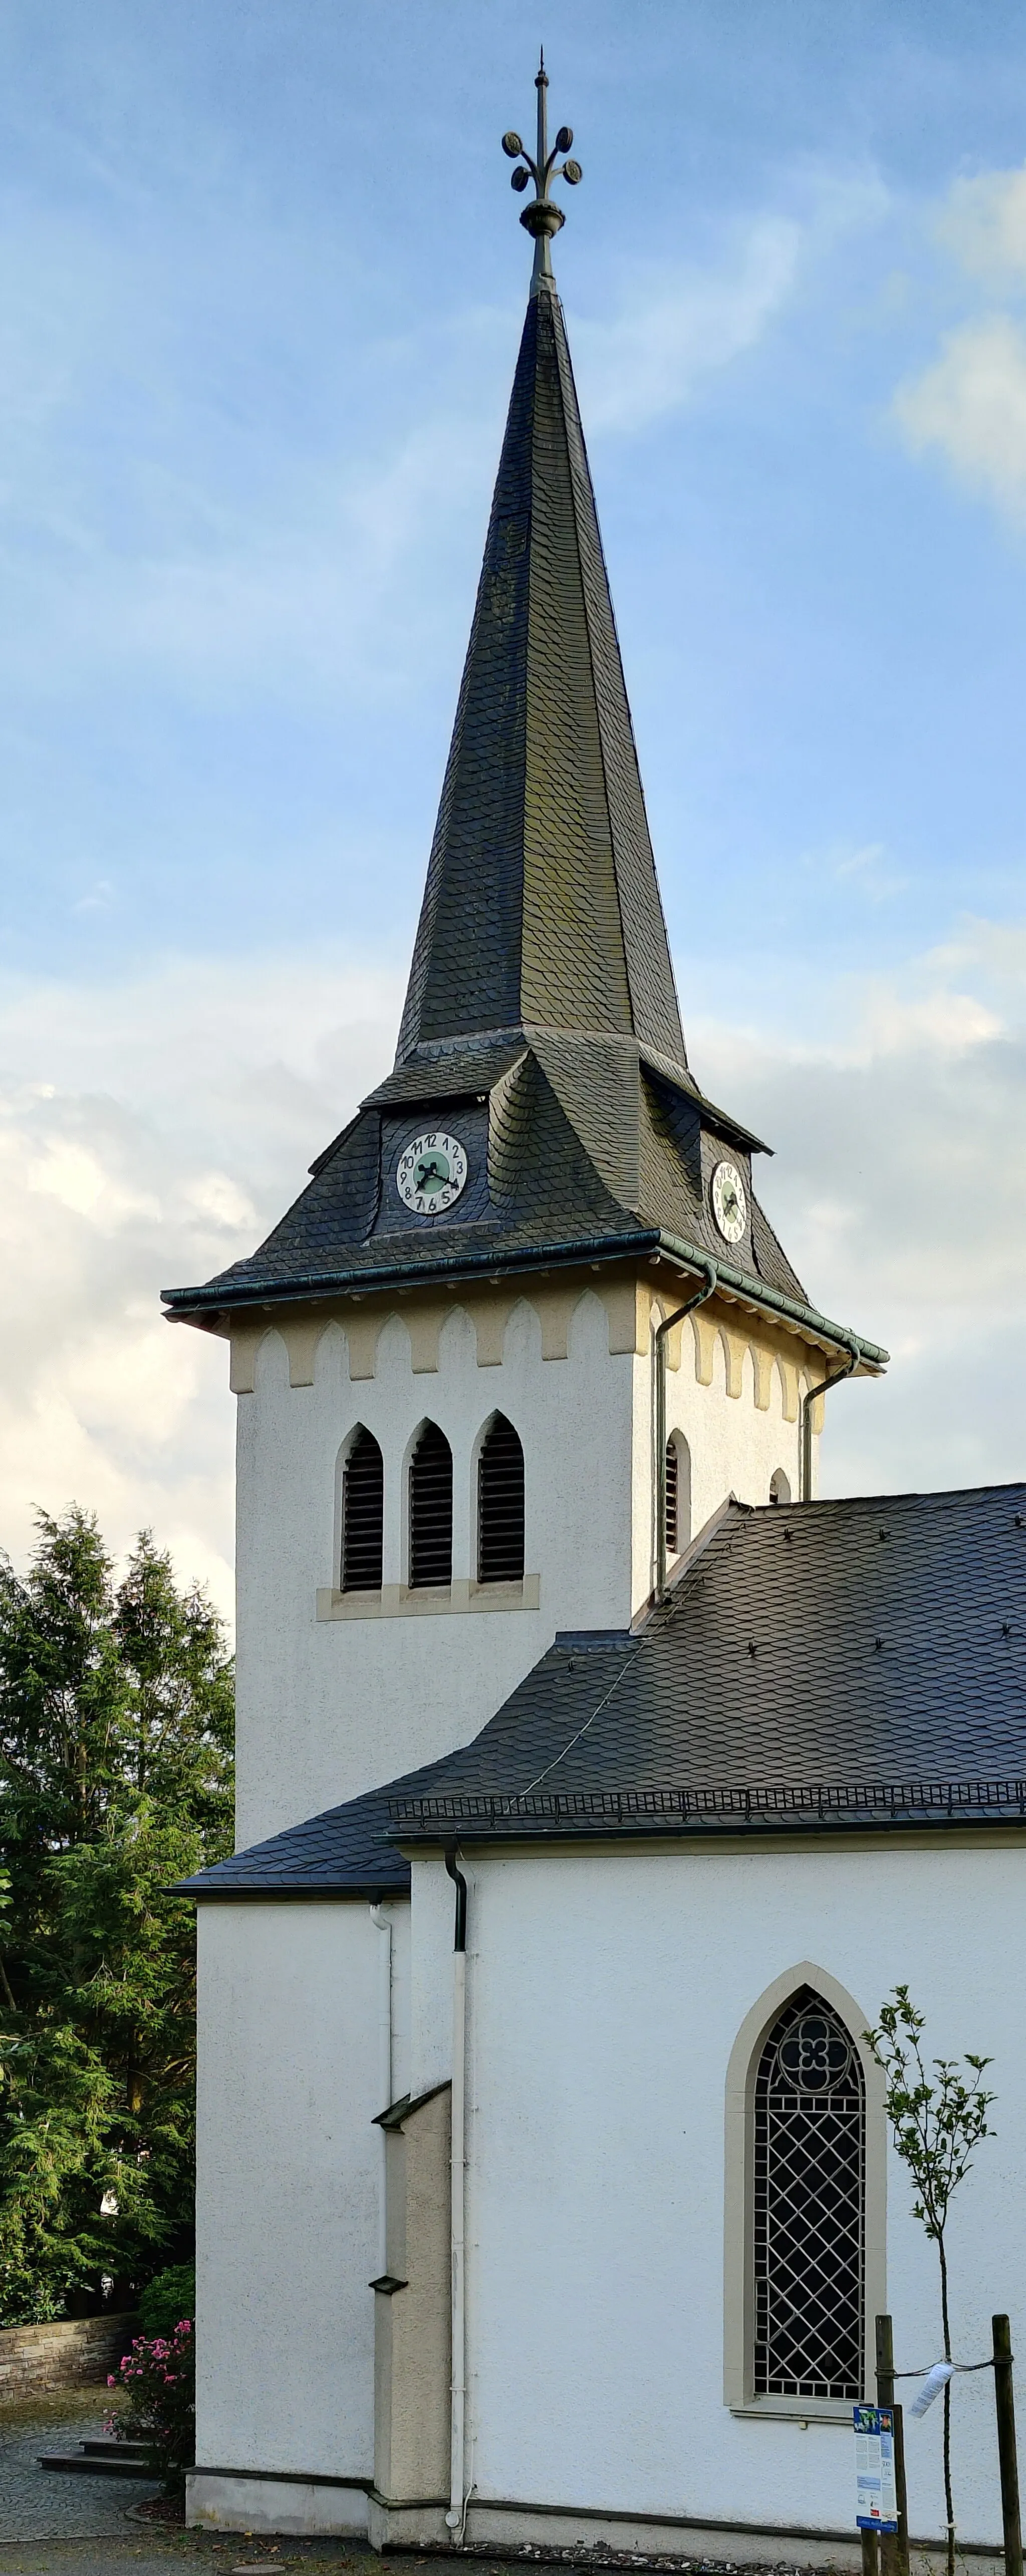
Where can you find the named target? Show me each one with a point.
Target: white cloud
(899, 1190)
(681, 325)
(149, 1134)
(984, 223)
(683, 321)
(971, 404)
(153, 1132)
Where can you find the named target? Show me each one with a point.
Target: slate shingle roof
(858, 1663)
(541, 902)
(541, 983)
(345, 1852)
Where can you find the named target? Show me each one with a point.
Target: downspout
(805, 1466)
(661, 1331)
(458, 2496)
(383, 1923)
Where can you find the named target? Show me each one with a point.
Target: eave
(209, 1307)
(671, 1814)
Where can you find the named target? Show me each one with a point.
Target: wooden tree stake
(893, 2544)
(1004, 2402)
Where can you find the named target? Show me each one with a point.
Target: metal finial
(542, 219)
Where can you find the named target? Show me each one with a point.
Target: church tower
(466, 1418)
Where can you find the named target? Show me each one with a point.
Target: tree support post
(1004, 2404)
(893, 2544)
(870, 2554)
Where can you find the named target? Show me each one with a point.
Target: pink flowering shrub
(159, 2377)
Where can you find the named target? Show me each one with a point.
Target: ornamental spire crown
(543, 219)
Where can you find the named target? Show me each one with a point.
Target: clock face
(729, 1202)
(431, 1172)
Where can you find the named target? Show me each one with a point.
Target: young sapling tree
(936, 2126)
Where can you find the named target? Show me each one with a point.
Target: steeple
(541, 906)
(540, 1112)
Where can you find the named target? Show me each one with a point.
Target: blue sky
(261, 283)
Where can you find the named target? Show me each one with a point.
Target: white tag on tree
(935, 2380)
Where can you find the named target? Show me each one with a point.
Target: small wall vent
(500, 1506)
(431, 1509)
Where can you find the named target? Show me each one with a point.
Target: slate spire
(541, 906)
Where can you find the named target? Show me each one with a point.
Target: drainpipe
(661, 1331)
(458, 2498)
(383, 1923)
(805, 1466)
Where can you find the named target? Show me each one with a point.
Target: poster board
(876, 2495)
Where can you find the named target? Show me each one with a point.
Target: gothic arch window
(363, 1498)
(678, 1493)
(500, 1505)
(805, 2202)
(430, 1494)
(780, 1486)
(808, 2216)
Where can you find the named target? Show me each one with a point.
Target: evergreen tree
(116, 1716)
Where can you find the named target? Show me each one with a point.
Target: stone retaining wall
(61, 2356)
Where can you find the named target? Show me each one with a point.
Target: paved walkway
(37, 2504)
(55, 2525)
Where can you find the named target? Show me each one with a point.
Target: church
(596, 1783)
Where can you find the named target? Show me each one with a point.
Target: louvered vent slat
(500, 1502)
(431, 1509)
(672, 1499)
(363, 1494)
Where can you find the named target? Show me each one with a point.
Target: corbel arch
(270, 1366)
(787, 1375)
(739, 2191)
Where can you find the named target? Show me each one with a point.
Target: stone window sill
(396, 1601)
(797, 2410)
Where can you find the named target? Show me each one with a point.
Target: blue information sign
(876, 2495)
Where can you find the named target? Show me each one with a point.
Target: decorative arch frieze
(758, 1364)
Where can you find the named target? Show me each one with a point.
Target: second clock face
(729, 1203)
(431, 1172)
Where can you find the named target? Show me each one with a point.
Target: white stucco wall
(735, 1446)
(605, 1995)
(329, 1706)
(289, 2178)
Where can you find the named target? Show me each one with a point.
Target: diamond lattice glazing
(809, 2206)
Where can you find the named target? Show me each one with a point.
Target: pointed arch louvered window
(671, 1497)
(678, 1493)
(810, 2158)
(500, 1506)
(431, 1508)
(363, 1497)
